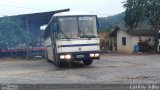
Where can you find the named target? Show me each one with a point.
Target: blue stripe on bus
(79, 45)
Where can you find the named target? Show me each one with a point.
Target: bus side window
(56, 29)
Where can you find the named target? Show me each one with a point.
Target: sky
(102, 8)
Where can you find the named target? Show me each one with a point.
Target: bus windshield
(77, 27)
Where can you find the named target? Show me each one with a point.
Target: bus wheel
(59, 63)
(48, 60)
(88, 62)
(47, 57)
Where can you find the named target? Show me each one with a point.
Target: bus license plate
(80, 56)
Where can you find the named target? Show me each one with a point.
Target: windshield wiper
(84, 35)
(65, 35)
(82, 32)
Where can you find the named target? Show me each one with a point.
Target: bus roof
(74, 13)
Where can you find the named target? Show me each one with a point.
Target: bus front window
(68, 28)
(87, 26)
(77, 27)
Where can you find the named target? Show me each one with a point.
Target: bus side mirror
(54, 27)
(98, 26)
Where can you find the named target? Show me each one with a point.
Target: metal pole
(27, 29)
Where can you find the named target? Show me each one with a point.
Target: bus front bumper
(78, 56)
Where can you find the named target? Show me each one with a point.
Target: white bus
(72, 36)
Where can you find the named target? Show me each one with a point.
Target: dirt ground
(110, 69)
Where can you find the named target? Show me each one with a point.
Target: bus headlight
(92, 55)
(96, 54)
(62, 56)
(68, 56)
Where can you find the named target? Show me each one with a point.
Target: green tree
(139, 11)
(9, 30)
(12, 33)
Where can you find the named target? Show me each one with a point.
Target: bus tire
(48, 60)
(88, 62)
(58, 63)
(46, 56)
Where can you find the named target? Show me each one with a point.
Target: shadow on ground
(71, 65)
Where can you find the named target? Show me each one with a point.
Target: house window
(123, 40)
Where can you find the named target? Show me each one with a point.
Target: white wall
(124, 48)
(131, 41)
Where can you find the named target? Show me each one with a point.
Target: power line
(21, 7)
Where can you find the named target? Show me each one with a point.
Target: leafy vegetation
(12, 33)
(138, 11)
